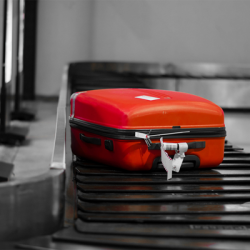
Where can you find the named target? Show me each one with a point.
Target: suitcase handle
(189, 162)
(191, 145)
(92, 140)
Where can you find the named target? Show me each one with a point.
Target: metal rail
(58, 157)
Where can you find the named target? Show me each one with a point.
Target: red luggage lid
(146, 109)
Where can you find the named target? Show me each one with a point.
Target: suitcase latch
(109, 145)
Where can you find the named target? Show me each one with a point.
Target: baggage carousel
(109, 208)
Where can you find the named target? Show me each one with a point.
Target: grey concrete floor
(33, 156)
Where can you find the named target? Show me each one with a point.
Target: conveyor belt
(101, 80)
(196, 209)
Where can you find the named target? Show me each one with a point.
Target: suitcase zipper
(129, 134)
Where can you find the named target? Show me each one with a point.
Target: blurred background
(57, 32)
(42, 36)
(168, 31)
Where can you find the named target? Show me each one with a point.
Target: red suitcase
(105, 125)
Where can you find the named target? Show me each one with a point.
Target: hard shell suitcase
(123, 127)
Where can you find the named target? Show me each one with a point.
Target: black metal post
(17, 85)
(5, 168)
(19, 113)
(9, 135)
(29, 50)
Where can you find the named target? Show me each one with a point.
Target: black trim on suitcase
(129, 134)
(92, 140)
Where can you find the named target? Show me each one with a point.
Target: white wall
(216, 31)
(172, 30)
(62, 37)
(1, 40)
